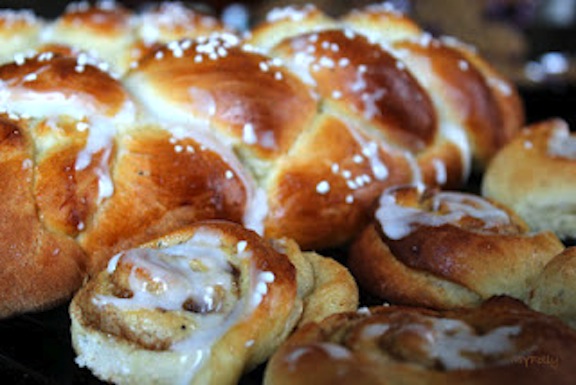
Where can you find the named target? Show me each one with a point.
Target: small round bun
(19, 32)
(535, 174)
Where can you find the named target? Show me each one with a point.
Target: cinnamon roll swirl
(447, 249)
(502, 341)
(212, 296)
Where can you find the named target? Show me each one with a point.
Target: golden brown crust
(204, 84)
(162, 22)
(105, 19)
(213, 291)
(293, 131)
(460, 88)
(498, 342)
(371, 86)
(324, 189)
(443, 249)
(67, 77)
(162, 189)
(40, 267)
(382, 22)
(103, 30)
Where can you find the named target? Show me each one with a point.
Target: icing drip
(398, 221)
(200, 271)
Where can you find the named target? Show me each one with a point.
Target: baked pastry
(201, 305)
(502, 341)
(554, 290)
(38, 267)
(193, 129)
(533, 175)
(105, 30)
(59, 127)
(395, 89)
(102, 30)
(446, 249)
(19, 31)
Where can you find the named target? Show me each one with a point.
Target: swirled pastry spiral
(446, 249)
(142, 122)
(502, 341)
(201, 305)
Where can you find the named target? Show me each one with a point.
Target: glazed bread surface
(139, 126)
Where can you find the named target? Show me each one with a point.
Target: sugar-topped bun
(167, 21)
(201, 305)
(220, 86)
(447, 249)
(103, 29)
(19, 33)
(502, 341)
(534, 175)
(145, 121)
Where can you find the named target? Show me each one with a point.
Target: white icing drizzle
(332, 350)
(457, 135)
(374, 330)
(561, 143)
(52, 105)
(370, 150)
(450, 340)
(191, 270)
(398, 221)
(440, 171)
(174, 275)
(256, 210)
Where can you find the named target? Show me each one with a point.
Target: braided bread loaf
(119, 134)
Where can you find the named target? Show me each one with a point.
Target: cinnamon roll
(201, 305)
(501, 341)
(446, 249)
